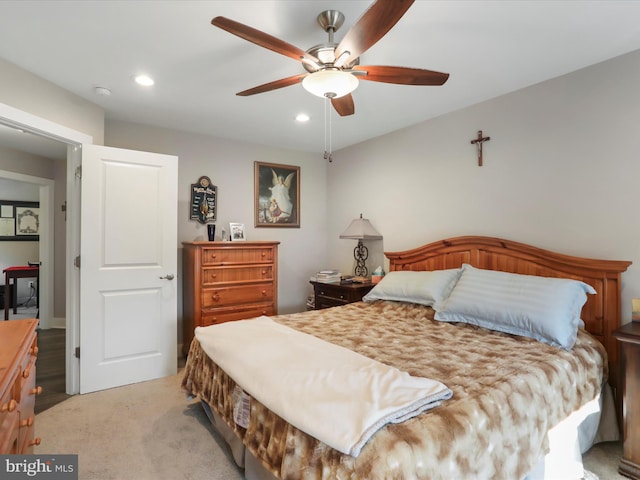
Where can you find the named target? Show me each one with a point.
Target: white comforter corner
(329, 392)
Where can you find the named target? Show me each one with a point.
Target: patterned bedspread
(507, 392)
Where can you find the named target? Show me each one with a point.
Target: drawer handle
(341, 297)
(215, 297)
(35, 442)
(322, 292)
(35, 391)
(34, 351)
(26, 423)
(25, 373)
(264, 293)
(9, 407)
(264, 272)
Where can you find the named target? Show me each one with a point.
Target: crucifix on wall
(478, 141)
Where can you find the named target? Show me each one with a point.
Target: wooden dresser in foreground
(629, 337)
(18, 352)
(224, 281)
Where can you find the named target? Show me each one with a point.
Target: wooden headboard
(601, 314)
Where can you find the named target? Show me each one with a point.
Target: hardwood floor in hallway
(50, 368)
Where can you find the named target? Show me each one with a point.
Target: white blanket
(329, 392)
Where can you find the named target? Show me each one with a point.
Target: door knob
(168, 276)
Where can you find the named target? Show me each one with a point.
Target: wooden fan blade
(371, 27)
(260, 38)
(344, 105)
(267, 87)
(401, 75)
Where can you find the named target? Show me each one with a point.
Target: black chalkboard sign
(203, 201)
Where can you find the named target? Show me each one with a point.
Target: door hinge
(79, 172)
(76, 262)
(77, 352)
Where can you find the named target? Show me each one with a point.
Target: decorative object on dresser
(237, 232)
(18, 352)
(361, 229)
(224, 281)
(204, 200)
(336, 294)
(277, 195)
(629, 338)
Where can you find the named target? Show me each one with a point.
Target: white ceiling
(489, 47)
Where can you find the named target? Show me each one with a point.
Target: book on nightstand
(328, 276)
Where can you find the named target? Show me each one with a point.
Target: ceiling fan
(333, 69)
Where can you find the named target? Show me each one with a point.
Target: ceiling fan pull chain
(327, 129)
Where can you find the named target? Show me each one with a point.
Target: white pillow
(429, 288)
(547, 309)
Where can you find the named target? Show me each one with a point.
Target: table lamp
(361, 229)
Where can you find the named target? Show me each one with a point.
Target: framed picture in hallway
(19, 221)
(277, 195)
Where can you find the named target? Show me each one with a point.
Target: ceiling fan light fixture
(330, 83)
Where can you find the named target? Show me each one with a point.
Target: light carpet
(145, 431)
(151, 431)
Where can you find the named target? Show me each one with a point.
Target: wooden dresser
(224, 281)
(18, 352)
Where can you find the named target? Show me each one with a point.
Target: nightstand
(629, 337)
(336, 294)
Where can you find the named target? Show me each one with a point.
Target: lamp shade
(361, 229)
(330, 83)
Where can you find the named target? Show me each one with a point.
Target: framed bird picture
(277, 195)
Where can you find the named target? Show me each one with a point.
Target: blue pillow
(429, 288)
(546, 309)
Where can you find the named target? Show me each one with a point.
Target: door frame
(74, 139)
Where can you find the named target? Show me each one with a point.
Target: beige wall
(29, 93)
(560, 172)
(230, 166)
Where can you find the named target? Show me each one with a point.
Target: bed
(521, 407)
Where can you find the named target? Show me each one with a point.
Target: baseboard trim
(57, 322)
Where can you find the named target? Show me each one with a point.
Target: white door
(128, 265)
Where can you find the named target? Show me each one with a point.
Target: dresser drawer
(9, 427)
(18, 351)
(28, 394)
(220, 297)
(213, 275)
(224, 281)
(338, 293)
(222, 315)
(10, 415)
(213, 256)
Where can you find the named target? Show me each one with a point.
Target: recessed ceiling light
(302, 117)
(144, 80)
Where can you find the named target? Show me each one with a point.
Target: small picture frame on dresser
(237, 232)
